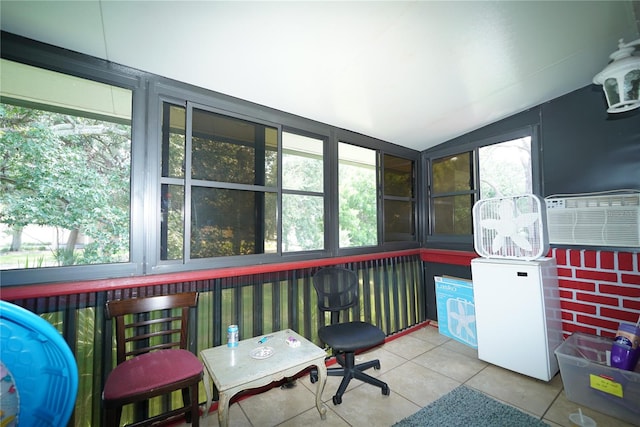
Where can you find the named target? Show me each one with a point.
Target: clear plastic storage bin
(590, 382)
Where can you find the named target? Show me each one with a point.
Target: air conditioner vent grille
(595, 220)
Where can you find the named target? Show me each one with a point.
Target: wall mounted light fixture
(621, 78)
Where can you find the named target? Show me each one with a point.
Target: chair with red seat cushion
(152, 356)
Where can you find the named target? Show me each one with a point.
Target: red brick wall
(598, 290)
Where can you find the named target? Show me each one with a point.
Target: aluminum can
(232, 336)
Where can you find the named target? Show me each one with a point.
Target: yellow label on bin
(606, 385)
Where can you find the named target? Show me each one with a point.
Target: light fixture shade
(621, 79)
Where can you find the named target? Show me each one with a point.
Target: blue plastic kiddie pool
(39, 372)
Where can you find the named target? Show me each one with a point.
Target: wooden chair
(152, 356)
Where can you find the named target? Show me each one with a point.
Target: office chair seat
(152, 371)
(352, 336)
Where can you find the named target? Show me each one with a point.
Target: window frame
(412, 199)
(189, 183)
(191, 98)
(381, 148)
(47, 57)
(283, 191)
(377, 196)
(465, 242)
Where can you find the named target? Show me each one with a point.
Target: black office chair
(337, 290)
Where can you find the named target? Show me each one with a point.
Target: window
(121, 173)
(357, 186)
(65, 170)
(496, 168)
(302, 193)
(452, 194)
(218, 185)
(505, 168)
(376, 197)
(399, 199)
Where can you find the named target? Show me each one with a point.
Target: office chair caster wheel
(377, 366)
(386, 391)
(337, 399)
(313, 376)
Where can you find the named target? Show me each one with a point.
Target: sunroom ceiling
(412, 73)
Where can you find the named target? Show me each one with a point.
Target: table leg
(207, 390)
(223, 409)
(322, 380)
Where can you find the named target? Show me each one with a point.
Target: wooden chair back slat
(150, 323)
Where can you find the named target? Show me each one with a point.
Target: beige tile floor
(419, 368)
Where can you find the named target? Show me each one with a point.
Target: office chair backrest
(337, 290)
(138, 331)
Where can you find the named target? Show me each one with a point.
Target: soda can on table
(232, 336)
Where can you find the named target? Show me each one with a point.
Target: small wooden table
(234, 369)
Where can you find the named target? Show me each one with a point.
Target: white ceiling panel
(74, 25)
(413, 73)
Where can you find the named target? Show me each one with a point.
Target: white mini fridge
(518, 320)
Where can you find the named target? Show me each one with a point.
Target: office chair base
(349, 370)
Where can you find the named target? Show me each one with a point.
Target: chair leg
(190, 401)
(368, 365)
(368, 379)
(346, 379)
(350, 370)
(186, 402)
(195, 408)
(112, 416)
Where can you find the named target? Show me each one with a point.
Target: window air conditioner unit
(599, 220)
